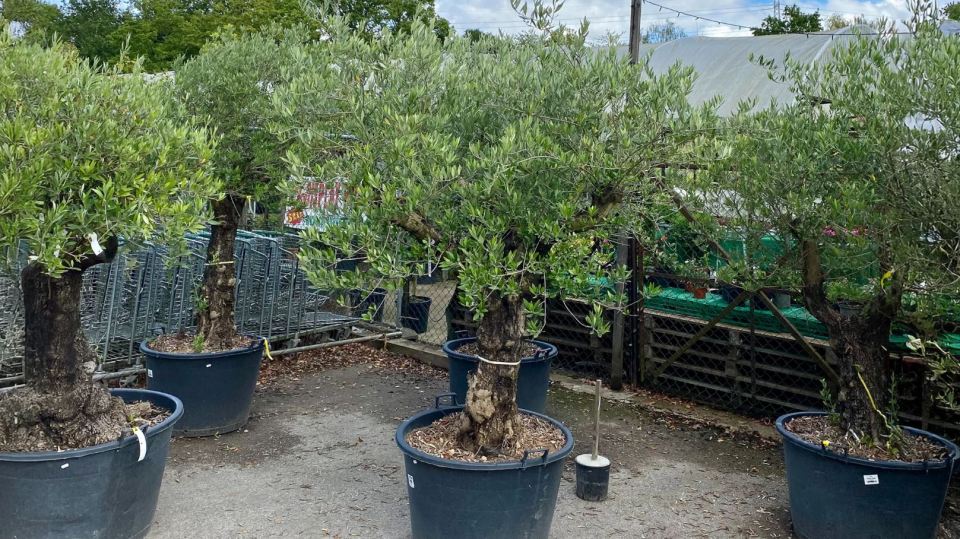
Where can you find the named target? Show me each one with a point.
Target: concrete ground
(318, 459)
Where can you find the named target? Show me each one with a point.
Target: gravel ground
(318, 460)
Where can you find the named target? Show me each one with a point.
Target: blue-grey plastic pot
(216, 387)
(101, 491)
(480, 501)
(532, 381)
(833, 495)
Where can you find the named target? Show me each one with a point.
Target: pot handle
(526, 456)
(440, 397)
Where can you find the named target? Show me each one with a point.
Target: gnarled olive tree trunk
(215, 317)
(60, 407)
(491, 419)
(860, 342)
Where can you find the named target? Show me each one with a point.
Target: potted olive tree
(87, 157)
(229, 86)
(861, 173)
(495, 161)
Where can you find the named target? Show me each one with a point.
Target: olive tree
(505, 161)
(88, 157)
(859, 178)
(230, 86)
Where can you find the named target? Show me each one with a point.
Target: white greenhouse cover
(724, 67)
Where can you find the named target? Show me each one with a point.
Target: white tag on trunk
(871, 480)
(94, 243)
(410, 480)
(143, 443)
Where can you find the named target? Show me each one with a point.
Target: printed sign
(871, 480)
(318, 205)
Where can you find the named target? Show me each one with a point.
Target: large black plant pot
(834, 495)
(100, 491)
(216, 388)
(415, 313)
(533, 380)
(480, 501)
(362, 300)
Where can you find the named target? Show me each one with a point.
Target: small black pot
(216, 388)
(729, 292)
(834, 495)
(415, 313)
(847, 308)
(467, 500)
(99, 491)
(361, 300)
(533, 380)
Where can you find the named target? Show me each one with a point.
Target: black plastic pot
(533, 379)
(833, 495)
(361, 300)
(216, 388)
(100, 491)
(415, 313)
(729, 292)
(593, 477)
(480, 501)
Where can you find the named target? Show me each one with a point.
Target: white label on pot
(143, 443)
(65, 466)
(871, 480)
(209, 365)
(410, 480)
(149, 373)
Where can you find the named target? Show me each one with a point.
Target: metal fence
(148, 291)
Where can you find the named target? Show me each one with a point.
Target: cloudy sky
(614, 15)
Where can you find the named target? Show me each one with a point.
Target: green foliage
(504, 163)
(952, 11)
(794, 21)
(35, 17)
(231, 86)
(86, 151)
(198, 342)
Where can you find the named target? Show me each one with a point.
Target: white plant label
(410, 480)
(65, 466)
(143, 443)
(149, 373)
(94, 243)
(871, 480)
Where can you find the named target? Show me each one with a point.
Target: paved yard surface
(318, 460)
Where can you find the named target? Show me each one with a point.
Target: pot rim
(534, 459)
(450, 348)
(150, 352)
(789, 437)
(46, 456)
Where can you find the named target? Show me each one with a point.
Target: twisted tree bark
(215, 315)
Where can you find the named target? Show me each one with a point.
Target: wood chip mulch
(817, 429)
(471, 349)
(144, 414)
(338, 357)
(440, 440)
(182, 343)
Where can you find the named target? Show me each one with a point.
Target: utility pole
(635, 30)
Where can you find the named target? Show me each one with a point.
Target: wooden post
(616, 360)
(635, 30)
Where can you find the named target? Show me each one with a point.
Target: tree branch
(417, 225)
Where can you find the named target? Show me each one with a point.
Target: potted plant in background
(467, 155)
(229, 86)
(877, 169)
(87, 157)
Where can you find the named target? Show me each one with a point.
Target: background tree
(87, 157)
(837, 21)
(861, 193)
(474, 34)
(91, 26)
(794, 21)
(373, 17)
(662, 32)
(230, 86)
(35, 19)
(952, 11)
(506, 164)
